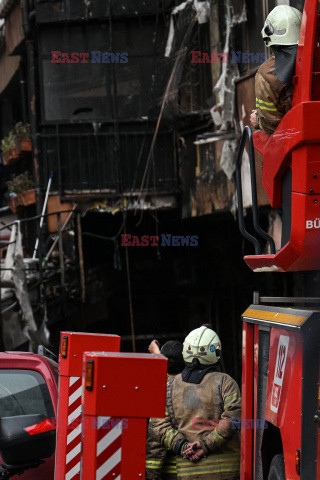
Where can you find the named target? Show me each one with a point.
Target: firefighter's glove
(180, 446)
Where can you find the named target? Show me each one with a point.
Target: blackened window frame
(153, 55)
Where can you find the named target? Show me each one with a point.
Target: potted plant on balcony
(16, 144)
(22, 192)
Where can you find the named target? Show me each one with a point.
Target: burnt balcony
(107, 162)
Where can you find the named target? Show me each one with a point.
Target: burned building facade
(121, 120)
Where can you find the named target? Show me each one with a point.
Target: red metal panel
(299, 127)
(255, 390)
(78, 343)
(247, 401)
(69, 425)
(302, 252)
(306, 169)
(128, 388)
(127, 384)
(284, 392)
(113, 448)
(304, 65)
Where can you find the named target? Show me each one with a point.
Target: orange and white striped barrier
(129, 388)
(69, 422)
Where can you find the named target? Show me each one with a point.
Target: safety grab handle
(247, 135)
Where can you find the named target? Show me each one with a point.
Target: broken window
(190, 81)
(250, 50)
(125, 88)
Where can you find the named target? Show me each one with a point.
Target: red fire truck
(28, 408)
(280, 383)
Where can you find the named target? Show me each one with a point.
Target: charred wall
(174, 289)
(120, 143)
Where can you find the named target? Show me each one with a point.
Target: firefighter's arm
(285, 99)
(269, 110)
(168, 435)
(155, 456)
(231, 399)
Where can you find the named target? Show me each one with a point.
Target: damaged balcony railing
(103, 163)
(23, 280)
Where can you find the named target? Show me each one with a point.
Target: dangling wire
(117, 263)
(152, 101)
(133, 337)
(165, 98)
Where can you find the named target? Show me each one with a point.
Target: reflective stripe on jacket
(161, 464)
(273, 98)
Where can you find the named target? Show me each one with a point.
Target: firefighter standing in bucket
(273, 81)
(202, 404)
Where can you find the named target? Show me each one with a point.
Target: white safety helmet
(204, 344)
(282, 26)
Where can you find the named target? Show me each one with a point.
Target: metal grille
(87, 162)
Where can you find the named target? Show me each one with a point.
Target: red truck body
(38, 367)
(280, 392)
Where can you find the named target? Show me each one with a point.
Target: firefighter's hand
(154, 347)
(194, 452)
(254, 119)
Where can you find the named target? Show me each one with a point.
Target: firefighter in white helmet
(203, 411)
(273, 81)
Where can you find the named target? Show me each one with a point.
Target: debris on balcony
(225, 88)
(202, 11)
(13, 274)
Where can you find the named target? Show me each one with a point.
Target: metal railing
(28, 289)
(247, 135)
(97, 162)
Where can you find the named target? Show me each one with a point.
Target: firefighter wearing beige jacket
(202, 404)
